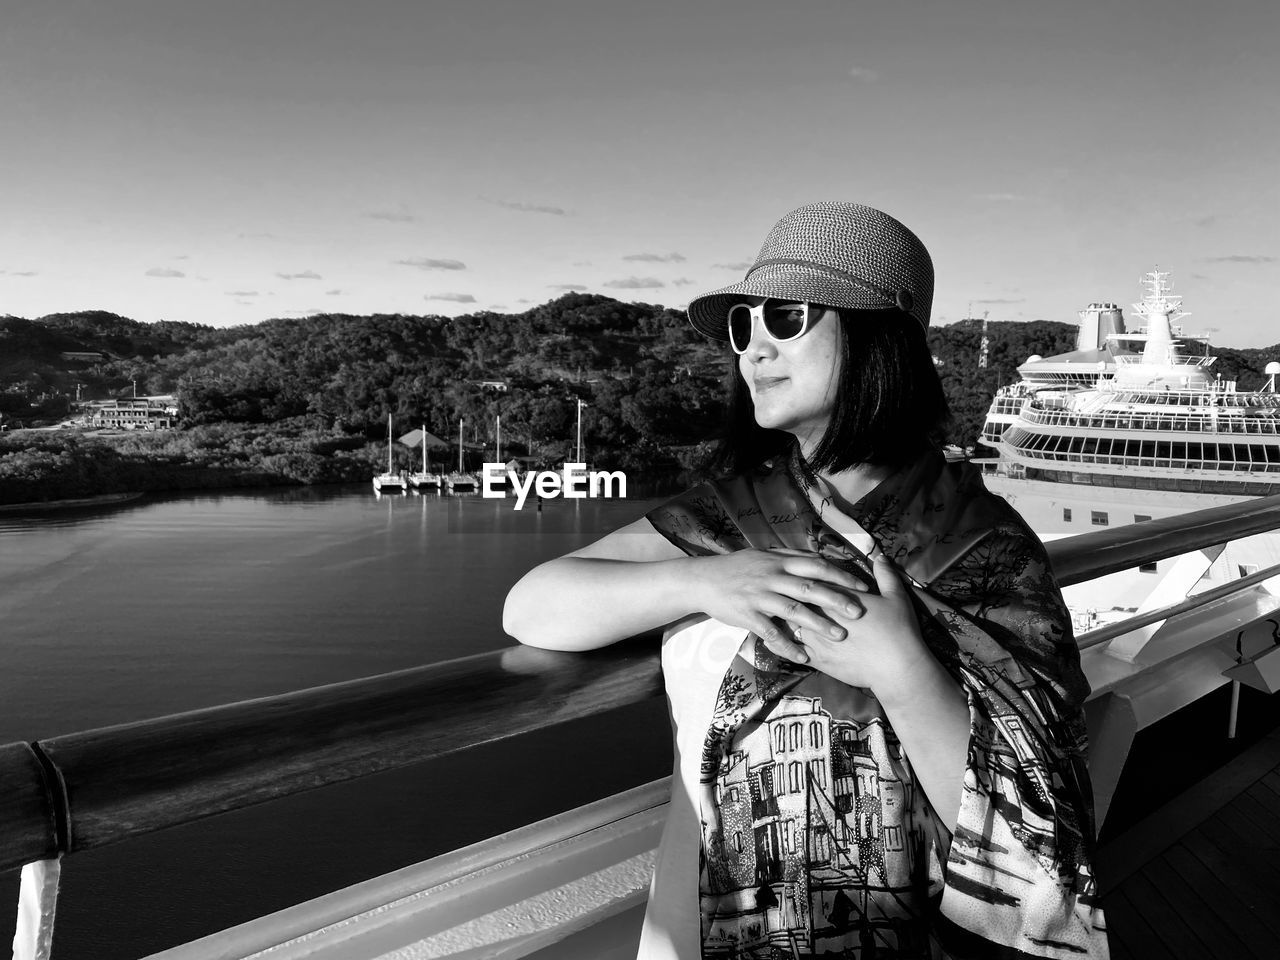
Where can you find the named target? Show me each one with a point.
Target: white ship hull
(1056, 510)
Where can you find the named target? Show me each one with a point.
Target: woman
(874, 688)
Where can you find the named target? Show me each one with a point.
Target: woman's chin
(771, 423)
(782, 420)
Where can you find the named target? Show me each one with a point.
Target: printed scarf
(816, 838)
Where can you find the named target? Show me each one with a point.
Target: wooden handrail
(89, 789)
(122, 781)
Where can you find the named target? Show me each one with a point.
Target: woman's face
(793, 384)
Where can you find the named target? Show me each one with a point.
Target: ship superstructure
(1155, 419)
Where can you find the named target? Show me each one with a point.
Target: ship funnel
(1097, 322)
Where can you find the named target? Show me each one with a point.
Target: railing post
(1235, 709)
(37, 901)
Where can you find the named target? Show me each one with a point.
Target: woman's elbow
(514, 617)
(524, 614)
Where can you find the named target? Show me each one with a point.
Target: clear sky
(225, 162)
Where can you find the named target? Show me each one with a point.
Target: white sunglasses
(783, 320)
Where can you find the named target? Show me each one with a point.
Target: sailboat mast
(424, 448)
(498, 442)
(388, 443)
(459, 444)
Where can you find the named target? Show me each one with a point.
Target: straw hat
(835, 254)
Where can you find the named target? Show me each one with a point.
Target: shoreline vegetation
(294, 401)
(42, 469)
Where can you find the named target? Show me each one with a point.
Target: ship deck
(1198, 877)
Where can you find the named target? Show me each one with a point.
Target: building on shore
(135, 413)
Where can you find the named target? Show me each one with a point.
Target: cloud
(1003, 300)
(655, 257)
(1208, 221)
(681, 282)
(304, 275)
(635, 283)
(497, 306)
(19, 273)
(582, 263)
(1242, 258)
(742, 265)
(427, 263)
(1200, 276)
(864, 74)
(1000, 197)
(568, 287)
(454, 297)
(524, 300)
(165, 272)
(183, 256)
(521, 207)
(308, 311)
(391, 216)
(333, 293)
(242, 293)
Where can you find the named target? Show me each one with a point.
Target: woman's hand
(747, 588)
(883, 647)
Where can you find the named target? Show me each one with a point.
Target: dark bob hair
(889, 405)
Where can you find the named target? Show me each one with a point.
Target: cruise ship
(1134, 425)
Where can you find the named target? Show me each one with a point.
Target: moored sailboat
(460, 481)
(425, 480)
(389, 482)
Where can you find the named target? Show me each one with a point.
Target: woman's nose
(761, 344)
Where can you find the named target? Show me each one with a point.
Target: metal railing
(80, 791)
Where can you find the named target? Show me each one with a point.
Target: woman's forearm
(580, 603)
(930, 715)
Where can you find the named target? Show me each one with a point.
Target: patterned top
(816, 838)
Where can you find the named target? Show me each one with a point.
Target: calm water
(171, 604)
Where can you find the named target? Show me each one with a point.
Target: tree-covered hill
(652, 385)
(969, 388)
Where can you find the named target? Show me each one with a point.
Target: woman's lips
(764, 383)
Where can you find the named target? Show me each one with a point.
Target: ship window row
(1237, 454)
(1185, 398)
(1173, 463)
(1180, 484)
(1100, 518)
(1190, 423)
